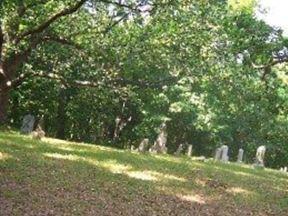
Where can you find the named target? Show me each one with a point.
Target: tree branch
(92, 84)
(112, 25)
(61, 40)
(11, 64)
(40, 28)
(268, 67)
(272, 63)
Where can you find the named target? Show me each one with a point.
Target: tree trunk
(4, 98)
(61, 114)
(5, 87)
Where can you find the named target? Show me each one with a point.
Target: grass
(55, 177)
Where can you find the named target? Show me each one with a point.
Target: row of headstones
(144, 147)
(159, 145)
(28, 124)
(283, 169)
(221, 154)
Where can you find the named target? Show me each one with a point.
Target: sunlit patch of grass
(243, 173)
(153, 176)
(66, 148)
(192, 198)
(143, 175)
(239, 190)
(76, 146)
(61, 156)
(4, 156)
(115, 167)
(167, 158)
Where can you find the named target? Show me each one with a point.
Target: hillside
(55, 177)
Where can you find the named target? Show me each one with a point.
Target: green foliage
(189, 63)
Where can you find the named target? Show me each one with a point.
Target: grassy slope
(55, 177)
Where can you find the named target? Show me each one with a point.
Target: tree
(26, 25)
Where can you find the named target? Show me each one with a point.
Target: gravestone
(189, 151)
(132, 148)
(260, 154)
(38, 133)
(27, 124)
(143, 145)
(217, 154)
(224, 153)
(240, 155)
(179, 150)
(160, 143)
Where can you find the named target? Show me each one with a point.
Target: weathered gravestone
(189, 151)
(143, 146)
(160, 143)
(240, 155)
(224, 153)
(218, 154)
(38, 133)
(179, 150)
(132, 148)
(260, 154)
(27, 124)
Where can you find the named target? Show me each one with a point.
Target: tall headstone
(143, 146)
(240, 155)
(260, 154)
(218, 154)
(160, 143)
(224, 153)
(189, 151)
(179, 150)
(27, 124)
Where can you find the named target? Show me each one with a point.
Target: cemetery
(143, 107)
(90, 176)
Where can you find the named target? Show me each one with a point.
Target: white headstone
(160, 143)
(260, 154)
(189, 151)
(27, 124)
(240, 155)
(285, 169)
(224, 153)
(143, 145)
(218, 154)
